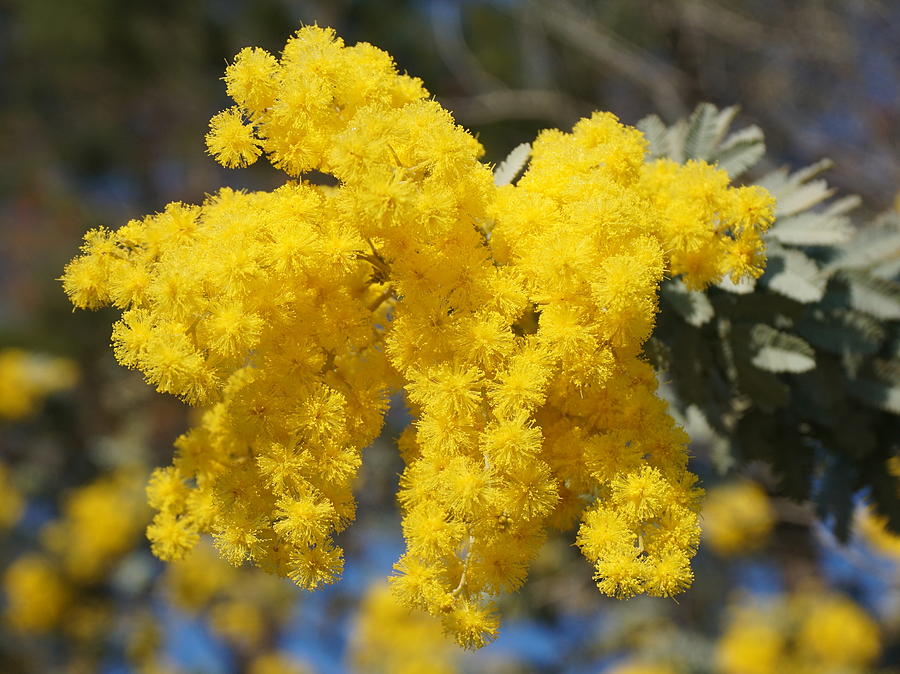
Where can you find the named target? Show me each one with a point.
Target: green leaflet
(705, 136)
(877, 394)
(513, 165)
(778, 351)
(800, 368)
(693, 306)
(873, 248)
(813, 229)
(705, 130)
(656, 134)
(794, 275)
(871, 294)
(839, 330)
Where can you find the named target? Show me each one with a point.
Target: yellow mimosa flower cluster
(513, 317)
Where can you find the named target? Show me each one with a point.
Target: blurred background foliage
(103, 107)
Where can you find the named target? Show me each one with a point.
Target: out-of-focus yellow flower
(391, 639)
(144, 638)
(835, 633)
(239, 622)
(809, 632)
(11, 501)
(636, 666)
(100, 522)
(873, 529)
(156, 666)
(143, 647)
(87, 620)
(753, 644)
(243, 605)
(737, 518)
(277, 663)
(193, 581)
(35, 594)
(26, 378)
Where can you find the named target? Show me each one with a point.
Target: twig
(663, 82)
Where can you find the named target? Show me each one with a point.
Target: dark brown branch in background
(663, 82)
(493, 106)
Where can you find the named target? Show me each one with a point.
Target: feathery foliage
(802, 368)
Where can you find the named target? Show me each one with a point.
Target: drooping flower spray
(513, 317)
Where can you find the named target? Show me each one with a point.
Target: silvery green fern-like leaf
(513, 165)
(794, 275)
(778, 351)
